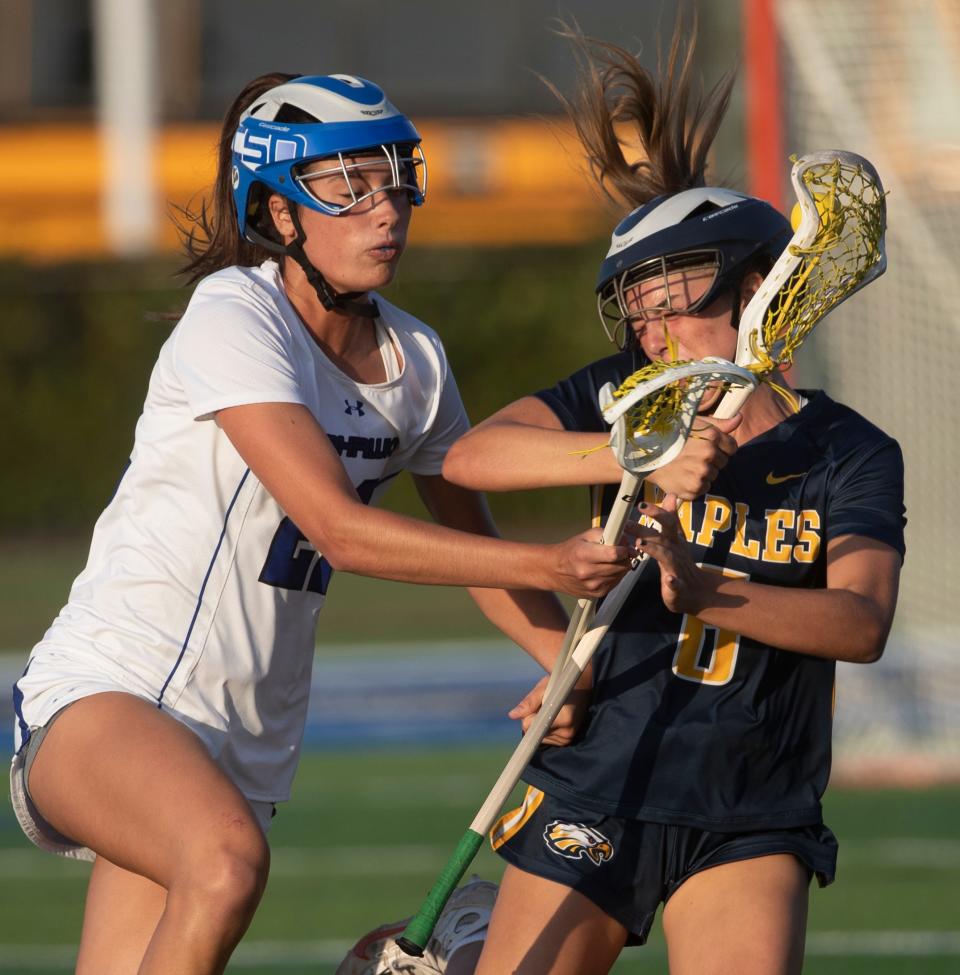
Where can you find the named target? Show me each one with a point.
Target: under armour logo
(358, 408)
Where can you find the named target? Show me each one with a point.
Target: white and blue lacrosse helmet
(349, 116)
(311, 118)
(705, 227)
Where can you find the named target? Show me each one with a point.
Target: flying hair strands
(668, 119)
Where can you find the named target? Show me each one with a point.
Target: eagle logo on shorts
(576, 841)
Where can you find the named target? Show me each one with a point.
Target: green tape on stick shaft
(418, 931)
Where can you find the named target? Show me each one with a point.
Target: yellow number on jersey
(687, 661)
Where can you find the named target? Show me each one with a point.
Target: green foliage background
(78, 341)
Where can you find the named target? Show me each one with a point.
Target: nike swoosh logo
(773, 479)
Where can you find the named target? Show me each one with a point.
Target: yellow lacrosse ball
(796, 214)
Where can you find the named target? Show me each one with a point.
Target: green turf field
(368, 829)
(367, 832)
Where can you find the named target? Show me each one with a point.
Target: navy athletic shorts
(628, 867)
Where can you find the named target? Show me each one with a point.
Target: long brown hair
(209, 234)
(673, 123)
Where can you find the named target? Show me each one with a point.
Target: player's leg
(742, 918)
(121, 914)
(540, 927)
(118, 775)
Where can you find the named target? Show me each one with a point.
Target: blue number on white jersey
(293, 562)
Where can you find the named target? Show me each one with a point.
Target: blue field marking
(457, 693)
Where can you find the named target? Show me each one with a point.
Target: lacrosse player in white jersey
(159, 719)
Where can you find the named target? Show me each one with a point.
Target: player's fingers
(639, 532)
(660, 515)
(562, 729)
(722, 431)
(610, 556)
(596, 551)
(530, 704)
(727, 425)
(708, 435)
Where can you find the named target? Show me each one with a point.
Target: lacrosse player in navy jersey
(696, 778)
(159, 720)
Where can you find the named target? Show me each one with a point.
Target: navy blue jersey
(699, 726)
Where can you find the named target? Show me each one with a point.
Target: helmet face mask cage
(340, 186)
(621, 301)
(722, 231)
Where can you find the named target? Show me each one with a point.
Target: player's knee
(227, 880)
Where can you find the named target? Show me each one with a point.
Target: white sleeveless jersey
(199, 594)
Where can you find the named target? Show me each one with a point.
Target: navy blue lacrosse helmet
(352, 116)
(713, 228)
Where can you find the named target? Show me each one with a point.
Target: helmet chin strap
(329, 298)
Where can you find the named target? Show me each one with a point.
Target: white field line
(371, 861)
(367, 861)
(884, 944)
(904, 851)
(281, 954)
(255, 954)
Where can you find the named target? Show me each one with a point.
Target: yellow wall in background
(493, 182)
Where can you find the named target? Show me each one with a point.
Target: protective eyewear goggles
(352, 178)
(675, 284)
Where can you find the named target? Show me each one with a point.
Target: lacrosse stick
(655, 409)
(837, 248)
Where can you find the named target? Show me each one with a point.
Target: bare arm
(847, 620)
(525, 445)
(292, 457)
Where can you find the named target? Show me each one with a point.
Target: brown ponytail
(210, 235)
(619, 100)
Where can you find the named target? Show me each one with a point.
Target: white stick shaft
(627, 497)
(732, 402)
(570, 674)
(575, 628)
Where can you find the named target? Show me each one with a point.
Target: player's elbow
(340, 539)
(867, 654)
(870, 643)
(459, 466)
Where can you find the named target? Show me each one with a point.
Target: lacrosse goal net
(883, 79)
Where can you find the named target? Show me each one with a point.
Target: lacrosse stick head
(836, 249)
(653, 410)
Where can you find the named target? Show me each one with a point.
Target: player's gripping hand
(582, 566)
(569, 717)
(684, 586)
(706, 452)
